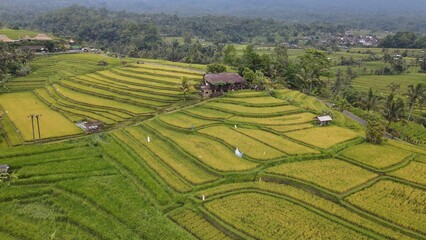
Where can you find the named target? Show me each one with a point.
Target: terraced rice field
(48, 69)
(176, 176)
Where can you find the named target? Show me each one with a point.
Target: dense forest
(364, 14)
(404, 40)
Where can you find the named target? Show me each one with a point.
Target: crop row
(166, 68)
(155, 99)
(249, 146)
(128, 164)
(162, 73)
(267, 217)
(207, 151)
(76, 113)
(197, 225)
(377, 156)
(335, 175)
(173, 156)
(413, 172)
(395, 202)
(120, 98)
(167, 174)
(252, 111)
(310, 199)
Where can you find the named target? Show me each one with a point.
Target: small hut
(323, 120)
(4, 168)
(90, 127)
(215, 84)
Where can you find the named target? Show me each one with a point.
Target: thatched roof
(42, 37)
(4, 38)
(214, 78)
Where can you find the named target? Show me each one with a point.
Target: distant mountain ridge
(279, 9)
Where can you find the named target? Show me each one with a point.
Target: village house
(216, 84)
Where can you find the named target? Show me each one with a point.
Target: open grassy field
(176, 176)
(16, 34)
(19, 106)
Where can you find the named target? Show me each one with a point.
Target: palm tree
(185, 86)
(307, 79)
(370, 101)
(414, 94)
(394, 109)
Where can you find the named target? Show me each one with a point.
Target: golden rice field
(323, 137)
(332, 174)
(395, 202)
(413, 172)
(378, 156)
(267, 217)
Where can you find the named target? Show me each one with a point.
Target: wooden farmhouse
(323, 120)
(216, 84)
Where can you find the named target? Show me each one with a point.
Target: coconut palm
(370, 101)
(185, 86)
(307, 79)
(394, 109)
(414, 94)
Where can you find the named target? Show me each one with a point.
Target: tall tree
(370, 101)
(414, 93)
(230, 56)
(306, 79)
(185, 87)
(394, 109)
(316, 65)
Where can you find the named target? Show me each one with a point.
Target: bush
(216, 68)
(23, 71)
(375, 131)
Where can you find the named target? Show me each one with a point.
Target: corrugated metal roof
(324, 118)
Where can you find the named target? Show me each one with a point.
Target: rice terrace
(177, 173)
(117, 143)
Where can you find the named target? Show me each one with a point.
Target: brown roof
(42, 37)
(4, 38)
(214, 78)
